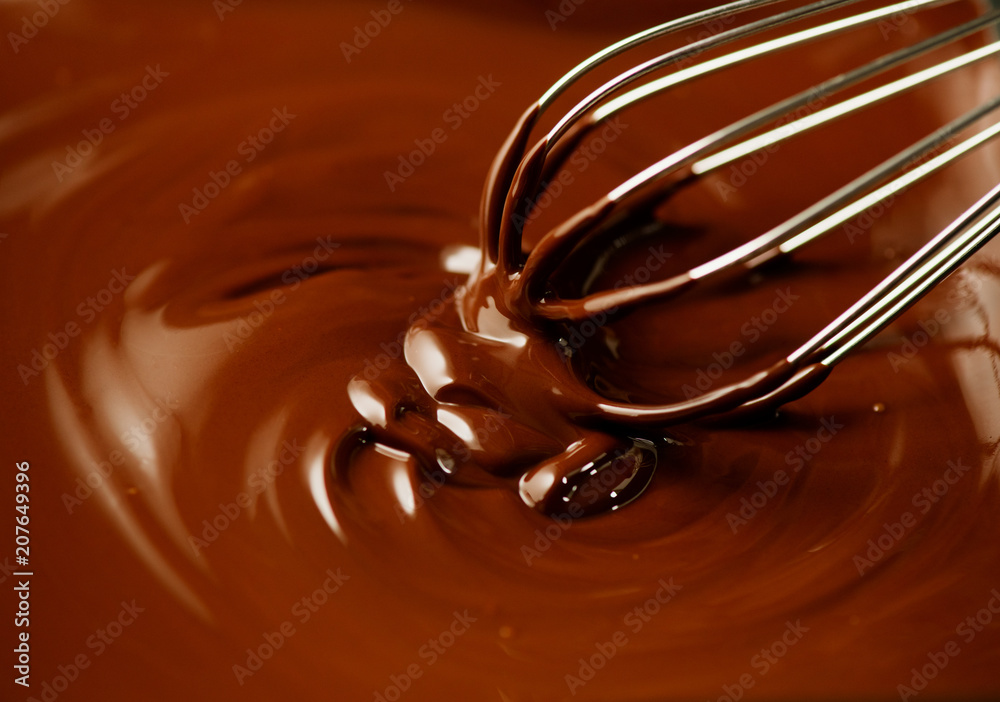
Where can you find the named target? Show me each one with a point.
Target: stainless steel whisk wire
(810, 363)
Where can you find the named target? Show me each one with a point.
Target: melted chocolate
(272, 405)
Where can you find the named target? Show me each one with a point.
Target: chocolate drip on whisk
(520, 282)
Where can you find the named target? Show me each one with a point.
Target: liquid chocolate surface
(281, 445)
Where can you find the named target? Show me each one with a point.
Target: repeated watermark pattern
(768, 489)
(224, 7)
(250, 148)
(365, 33)
(32, 23)
(429, 654)
(132, 439)
(957, 298)
(453, 117)
(751, 333)
(866, 220)
(121, 107)
(87, 311)
(458, 453)
(425, 315)
(256, 483)
(634, 622)
(577, 334)
(893, 532)
(97, 644)
(563, 12)
(241, 329)
(763, 662)
(968, 629)
(743, 172)
(304, 609)
(582, 159)
(621, 466)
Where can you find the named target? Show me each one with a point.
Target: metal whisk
(520, 171)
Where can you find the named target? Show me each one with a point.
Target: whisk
(520, 169)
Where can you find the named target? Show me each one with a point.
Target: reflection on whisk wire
(521, 167)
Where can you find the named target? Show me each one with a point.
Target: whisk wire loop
(520, 168)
